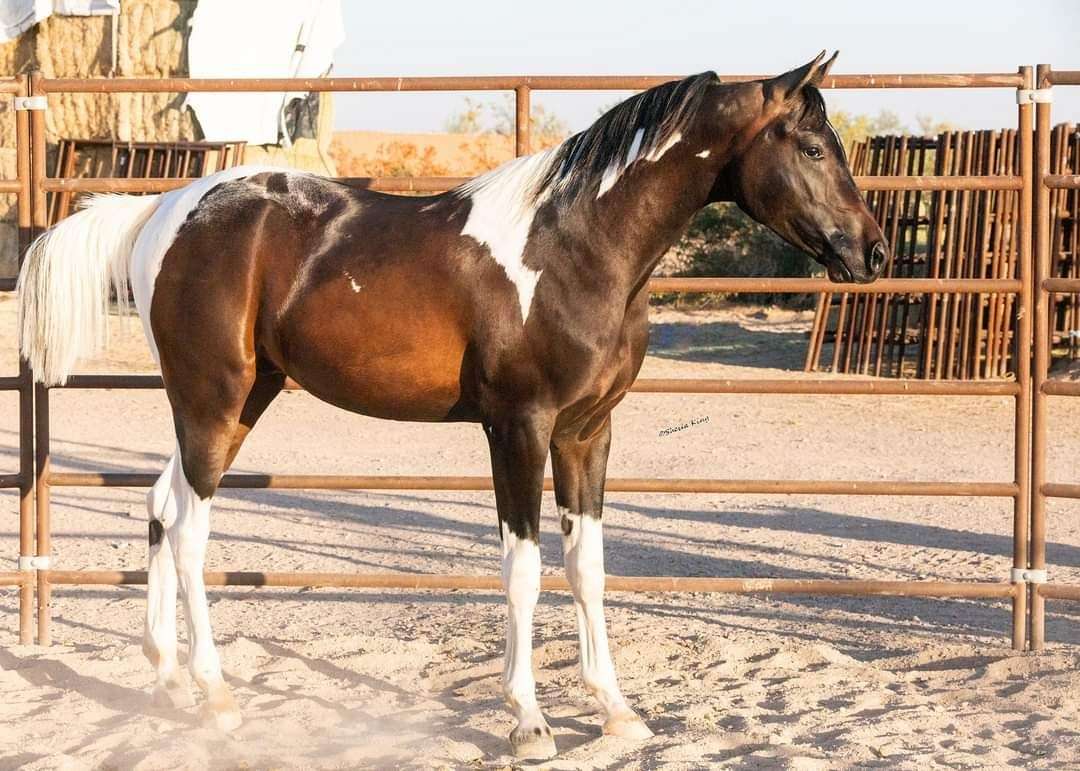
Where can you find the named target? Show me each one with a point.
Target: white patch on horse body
(352, 281)
(159, 232)
(613, 172)
(521, 581)
(504, 203)
(703, 154)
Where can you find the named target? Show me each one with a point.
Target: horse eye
(813, 152)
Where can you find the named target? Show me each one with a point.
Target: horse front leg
(518, 447)
(579, 465)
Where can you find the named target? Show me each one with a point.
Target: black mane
(659, 113)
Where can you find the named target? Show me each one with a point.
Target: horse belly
(399, 363)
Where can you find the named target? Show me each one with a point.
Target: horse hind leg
(159, 639)
(207, 447)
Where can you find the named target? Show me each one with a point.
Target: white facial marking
(504, 203)
(703, 154)
(521, 581)
(614, 171)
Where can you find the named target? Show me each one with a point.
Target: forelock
(812, 115)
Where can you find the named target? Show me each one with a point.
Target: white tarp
(257, 39)
(17, 16)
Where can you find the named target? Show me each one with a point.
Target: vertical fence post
(26, 386)
(1042, 356)
(522, 120)
(41, 393)
(1022, 432)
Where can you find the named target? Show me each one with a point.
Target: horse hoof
(174, 695)
(628, 726)
(225, 721)
(534, 743)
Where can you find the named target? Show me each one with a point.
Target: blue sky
(483, 37)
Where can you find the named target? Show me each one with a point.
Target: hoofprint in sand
(331, 679)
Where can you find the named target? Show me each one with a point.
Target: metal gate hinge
(31, 103)
(1032, 95)
(34, 563)
(1028, 576)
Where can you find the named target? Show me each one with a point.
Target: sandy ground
(331, 679)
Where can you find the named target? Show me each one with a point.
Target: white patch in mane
(703, 154)
(658, 152)
(615, 170)
(612, 172)
(504, 203)
(159, 232)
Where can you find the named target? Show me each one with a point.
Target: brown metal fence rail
(33, 185)
(1043, 387)
(18, 89)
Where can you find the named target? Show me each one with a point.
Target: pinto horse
(517, 300)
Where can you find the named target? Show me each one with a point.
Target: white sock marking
(703, 154)
(521, 580)
(583, 555)
(159, 638)
(187, 537)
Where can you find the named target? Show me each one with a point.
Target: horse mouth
(838, 272)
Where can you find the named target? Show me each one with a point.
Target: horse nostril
(877, 257)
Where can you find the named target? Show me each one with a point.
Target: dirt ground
(335, 679)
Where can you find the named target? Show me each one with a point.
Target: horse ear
(784, 87)
(822, 72)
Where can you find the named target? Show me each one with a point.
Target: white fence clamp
(31, 103)
(1032, 95)
(34, 563)
(1028, 576)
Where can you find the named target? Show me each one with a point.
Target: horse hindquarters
(202, 317)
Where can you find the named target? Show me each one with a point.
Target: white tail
(63, 286)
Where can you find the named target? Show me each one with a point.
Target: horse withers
(517, 301)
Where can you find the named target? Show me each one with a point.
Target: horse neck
(642, 215)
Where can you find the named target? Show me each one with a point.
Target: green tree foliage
(722, 240)
(855, 128)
